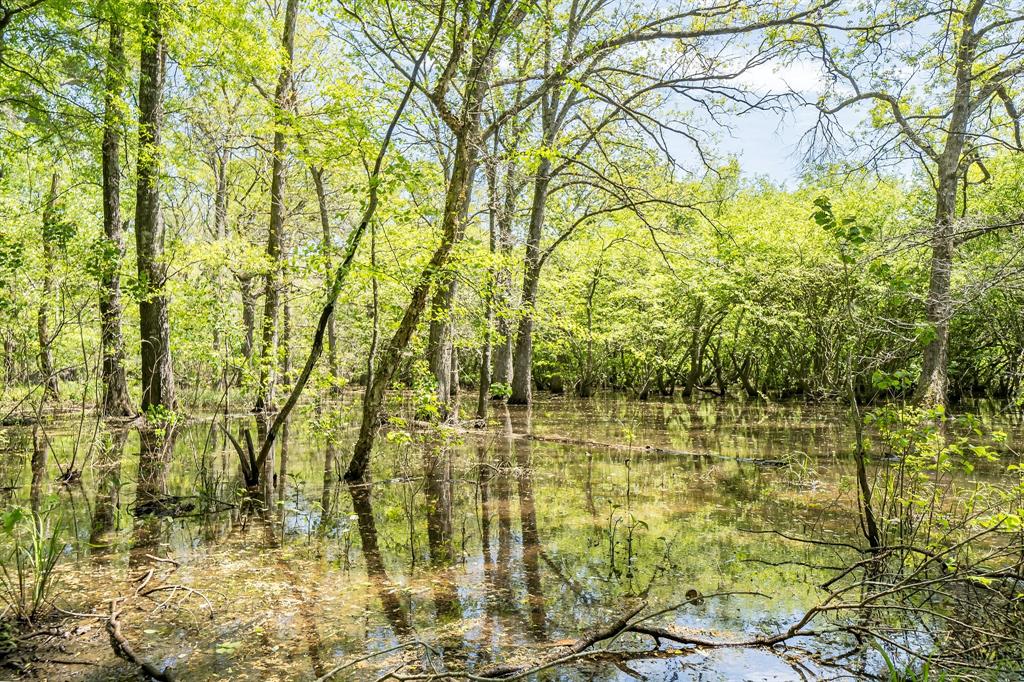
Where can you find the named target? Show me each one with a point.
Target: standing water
(488, 546)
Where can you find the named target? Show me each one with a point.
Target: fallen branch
(608, 632)
(123, 649)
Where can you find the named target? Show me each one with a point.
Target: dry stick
(124, 650)
(351, 245)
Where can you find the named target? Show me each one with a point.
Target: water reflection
(531, 541)
(40, 454)
(482, 545)
(387, 592)
(107, 502)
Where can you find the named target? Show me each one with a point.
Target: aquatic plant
(33, 547)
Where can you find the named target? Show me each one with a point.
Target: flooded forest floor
(471, 550)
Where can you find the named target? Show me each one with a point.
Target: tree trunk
(116, 401)
(503, 289)
(248, 323)
(154, 325)
(328, 250)
(696, 352)
(484, 389)
(522, 363)
(284, 106)
(46, 368)
(456, 204)
(933, 385)
(220, 231)
(439, 345)
(220, 199)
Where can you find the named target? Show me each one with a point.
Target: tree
(284, 107)
(484, 33)
(154, 325)
(51, 229)
(939, 110)
(116, 401)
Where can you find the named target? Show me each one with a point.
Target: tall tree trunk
(503, 287)
(220, 231)
(933, 385)
(286, 342)
(439, 344)
(484, 389)
(696, 351)
(328, 251)
(154, 325)
(248, 323)
(220, 198)
(116, 402)
(522, 362)
(284, 106)
(371, 356)
(46, 368)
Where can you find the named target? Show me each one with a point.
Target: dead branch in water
(120, 644)
(586, 647)
(123, 649)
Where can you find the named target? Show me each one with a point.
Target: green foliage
(32, 547)
(499, 390)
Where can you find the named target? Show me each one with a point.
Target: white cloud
(802, 75)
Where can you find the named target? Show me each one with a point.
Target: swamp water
(489, 546)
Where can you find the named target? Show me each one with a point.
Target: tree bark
(933, 385)
(116, 401)
(154, 325)
(219, 163)
(456, 202)
(503, 287)
(696, 351)
(439, 344)
(328, 249)
(371, 356)
(522, 363)
(49, 375)
(484, 389)
(220, 199)
(284, 106)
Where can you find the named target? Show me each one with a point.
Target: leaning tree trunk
(116, 402)
(522, 362)
(351, 246)
(154, 325)
(284, 106)
(46, 368)
(456, 204)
